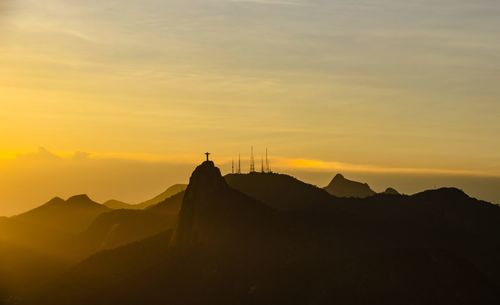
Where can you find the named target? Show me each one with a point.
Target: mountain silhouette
(120, 227)
(391, 191)
(72, 215)
(169, 206)
(342, 187)
(212, 212)
(171, 191)
(54, 228)
(434, 247)
(278, 191)
(120, 205)
(234, 240)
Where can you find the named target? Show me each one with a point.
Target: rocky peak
(55, 201)
(205, 180)
(391, 191)
(212, 211)
(79, 199)
(202, 197)
(342, 187)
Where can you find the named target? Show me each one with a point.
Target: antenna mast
(252, 162)
(268, 168)
(239, 163)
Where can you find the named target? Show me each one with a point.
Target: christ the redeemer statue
(208, 155)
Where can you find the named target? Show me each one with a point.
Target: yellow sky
(384, 86)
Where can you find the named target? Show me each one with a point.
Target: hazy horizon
(47, 175)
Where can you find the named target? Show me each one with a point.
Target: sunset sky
(123, 97)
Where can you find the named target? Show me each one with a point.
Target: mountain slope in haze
(435, 247)
(120, 227)
(23, 271)
(72, 215)
(75, 228)
(344, 188)
(171, 191)
(281, 192)
(170, 206)
(119, 205)
(52, 228)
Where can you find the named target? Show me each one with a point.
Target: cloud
(41, 155)
(80, 156)
(334, 166)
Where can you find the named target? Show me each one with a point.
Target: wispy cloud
(335, 166)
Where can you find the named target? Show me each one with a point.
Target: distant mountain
(77, 227)
(435, 247)
(391, 191)
(281, 192)
(53, 228)
(120, 227)
(171, 191)
(72, 215)
(344, 188)
(120, 205)
(170, 206)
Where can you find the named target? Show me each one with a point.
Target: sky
(100, 96)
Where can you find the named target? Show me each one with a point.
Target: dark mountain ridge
(169, 192)
(280, 192)
(435, 247)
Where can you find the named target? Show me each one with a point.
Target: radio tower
(262, 165)
(268, 168)
(239, 163)
(252, 162)
(232, 166)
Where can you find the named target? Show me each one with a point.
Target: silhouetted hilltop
(342, 187)
(444, 195)
(171, 191)
(212, 212)
(72, 215)
(435, 247)
(281, 192)
(391, 191)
